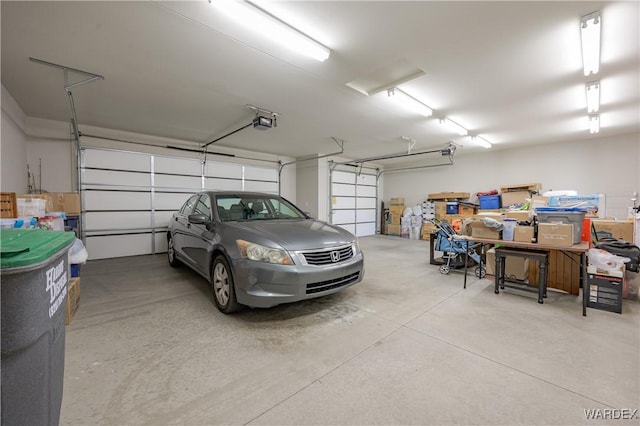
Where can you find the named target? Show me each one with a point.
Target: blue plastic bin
(489, 202)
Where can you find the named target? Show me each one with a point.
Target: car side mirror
(308, 215)
(198, 219)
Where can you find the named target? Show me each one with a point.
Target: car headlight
(257, 252)
(355, 247)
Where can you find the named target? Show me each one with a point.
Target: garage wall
(307, 186)
(13, 146)
(599, 165)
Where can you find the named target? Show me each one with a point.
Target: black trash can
(34, 270)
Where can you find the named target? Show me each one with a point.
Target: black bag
(624, 249)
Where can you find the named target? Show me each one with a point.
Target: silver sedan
(260, 250)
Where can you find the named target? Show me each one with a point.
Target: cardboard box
(394, 229)
(521, 187)
(479, 230)
(398, 210)
(448, 196)
(73, 299)
(466, 211)
(515, 268)
(394, 219)
(397, 201)
(426, 231)
(68, 202)
(614, 228)
(440, 208)
(514, 198)
(519, 215)
(538, 201)
(523, 234)
(555, 234)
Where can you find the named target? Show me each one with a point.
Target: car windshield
(232, 207)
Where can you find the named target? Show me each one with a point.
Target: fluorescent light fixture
(270, 26)
(481, 141)
(594, 123)
(593, 97)
(590, 32)
(454, 126)
(409, 102)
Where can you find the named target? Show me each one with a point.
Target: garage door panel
(162, 218)
(115, 178)
(338, 189)
(366, 215)
(366, 203)
(271, 187)
(366, 191)
(170, 201)
(138, 201)
(161, 242)
(260, 173)
(224, 170)
(344, 203)
(223, 184)
(365, 179)
(343, 216)
(349, 227)
(350, 190)
(117, 200)
(118, 160)
(117, 220)
(343, 177)
(104, 247)
(363, 229)
(169, 181)
(177, 165)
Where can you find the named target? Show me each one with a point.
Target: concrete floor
(405, 346)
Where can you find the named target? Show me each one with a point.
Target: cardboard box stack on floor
(396, 208)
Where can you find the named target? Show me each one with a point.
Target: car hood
(293, 234)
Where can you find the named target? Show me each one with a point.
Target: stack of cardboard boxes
(396, 208)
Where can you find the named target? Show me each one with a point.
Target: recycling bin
(34, 270)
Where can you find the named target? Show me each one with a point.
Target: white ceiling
(510, 71)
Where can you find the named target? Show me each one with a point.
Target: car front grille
(328, 257)
(332, 284)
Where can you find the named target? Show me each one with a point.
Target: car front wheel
(171, 252)
(224, 294)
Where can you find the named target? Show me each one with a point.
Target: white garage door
(129, 197)
(354, 201)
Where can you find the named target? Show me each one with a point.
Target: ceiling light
(408, 102)
(454, 126)
(593, 97)
(481, 141)
(594, 123)
(590, 31)
(270, 26)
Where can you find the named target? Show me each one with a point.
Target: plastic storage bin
(508, 229)
(452, 207)
(34, 269)
(489, 202)
(574, 216)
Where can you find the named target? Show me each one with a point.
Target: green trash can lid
(25, 247)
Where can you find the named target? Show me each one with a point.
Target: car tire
(224, 292)
(171, 252)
